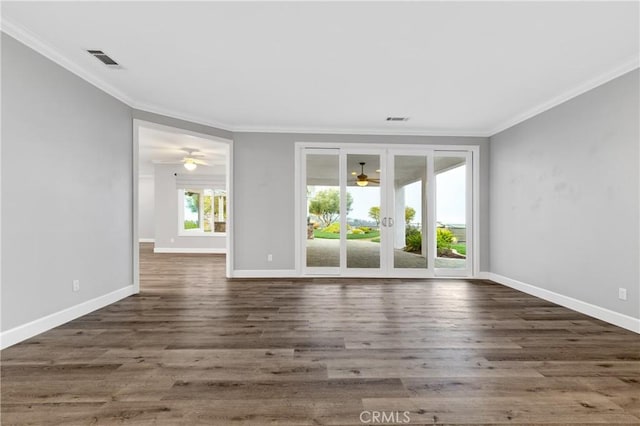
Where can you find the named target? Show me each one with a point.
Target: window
(203, 211)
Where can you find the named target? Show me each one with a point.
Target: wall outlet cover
(622, 293)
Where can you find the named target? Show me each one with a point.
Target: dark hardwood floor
(195, 348)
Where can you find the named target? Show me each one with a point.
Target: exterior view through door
(404, 212)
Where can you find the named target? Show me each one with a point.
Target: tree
(326, 205)
(374, 213)
(409, 214)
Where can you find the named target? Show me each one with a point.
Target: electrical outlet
(76, 285)
(269, 258)
(622, 293)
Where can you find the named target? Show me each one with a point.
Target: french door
(402, 212)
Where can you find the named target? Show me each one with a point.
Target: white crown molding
(25, 331)
(364, 131)
(604, 314)
(180, 116)
(34, 42)
(568, 95)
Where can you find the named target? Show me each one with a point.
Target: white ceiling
(166, 145)
(453, 67)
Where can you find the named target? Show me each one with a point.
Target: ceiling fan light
(362, 182)
(190, 165)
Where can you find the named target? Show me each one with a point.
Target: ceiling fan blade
(200, 162)
(192, 152)
(374, 180)
(166, 162)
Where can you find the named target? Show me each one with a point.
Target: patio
(366, 254)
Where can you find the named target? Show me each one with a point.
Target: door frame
(135, 242)
(473, 208)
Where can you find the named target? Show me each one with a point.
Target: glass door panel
(452, 213)
(386, 212)
(322, 243)
(409, 211)
(364, 209)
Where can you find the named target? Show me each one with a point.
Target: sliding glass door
(402, 212)
(364, 237)
(322, 211)
(409, 213)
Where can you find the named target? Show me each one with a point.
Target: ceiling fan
(189, 161)
(362, 179)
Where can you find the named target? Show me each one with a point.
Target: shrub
(334, 228)
(412, 230)
(357, 231)
(414, 242)
(444, 238)
(190, 224)
(365, 229)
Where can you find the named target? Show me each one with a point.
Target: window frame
(198, 232)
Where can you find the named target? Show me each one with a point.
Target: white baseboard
(604, 314)
(33, 328)
(204, 250)
(147, 240)
(292, 273)
(264, 273)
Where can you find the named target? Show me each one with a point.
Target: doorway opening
(182, 192)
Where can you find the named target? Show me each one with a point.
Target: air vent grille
(397, 118)
(104, 58)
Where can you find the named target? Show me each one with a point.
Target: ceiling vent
(397, 118)
(104, 58)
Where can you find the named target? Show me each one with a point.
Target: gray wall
(264, 193)
(146, 219)
(66, 188)
(166, 212)
(567, 180)
(181, 124)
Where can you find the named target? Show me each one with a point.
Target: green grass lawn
(331, 236)
(460, 248)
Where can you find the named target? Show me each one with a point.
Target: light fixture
(189, 164)
(362, 178)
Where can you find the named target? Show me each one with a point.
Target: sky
(450, 203)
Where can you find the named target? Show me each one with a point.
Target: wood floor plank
(196, 348)
(576, 408)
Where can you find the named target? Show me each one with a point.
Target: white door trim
(473, 204)
(137, 123)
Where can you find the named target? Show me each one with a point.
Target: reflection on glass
(192, 210)
(451, 223)
(363, 211)
(409, 229)
(323, 210)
